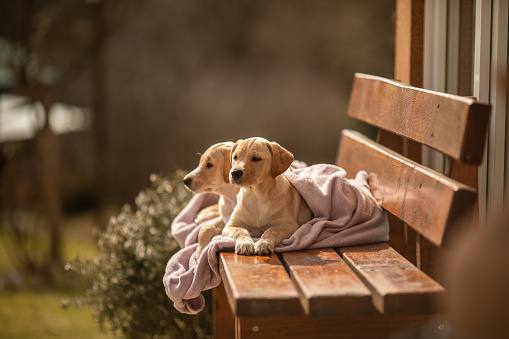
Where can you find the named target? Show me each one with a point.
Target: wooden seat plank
(303, 327)
(426, 200)
(397, 286)
(452, 124)
(327, 285)
(258, 286)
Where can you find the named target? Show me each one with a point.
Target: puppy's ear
(227, 163)
(233, 149)
(281, 159)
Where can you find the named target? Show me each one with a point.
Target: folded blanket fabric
(345, 214)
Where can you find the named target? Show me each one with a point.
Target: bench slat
(376, 327)
(396, 284)
(327, 285)
(424, 199)
(258, 286)
(452, 124)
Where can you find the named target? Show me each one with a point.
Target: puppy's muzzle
(187, 182)
(237, 175)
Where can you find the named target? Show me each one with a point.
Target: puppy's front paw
(245, 246)
(263, 246)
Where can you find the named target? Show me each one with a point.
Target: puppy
(212, 176)
(206, 214)
(268, 206)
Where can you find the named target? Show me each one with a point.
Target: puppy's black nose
(187, 181)
(236, 175)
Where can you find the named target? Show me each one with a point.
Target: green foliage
(126, 291)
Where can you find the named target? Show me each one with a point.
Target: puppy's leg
(243, 242)
(207, 232)
(206, 214)
(274, 235)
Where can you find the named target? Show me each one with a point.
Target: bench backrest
(424, 199)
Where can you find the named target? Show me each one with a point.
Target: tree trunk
(100, 121)
(49, 156)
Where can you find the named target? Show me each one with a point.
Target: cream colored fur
(268, 206)
(211, 176)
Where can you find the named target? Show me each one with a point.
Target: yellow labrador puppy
(268, 206)
(212, 176)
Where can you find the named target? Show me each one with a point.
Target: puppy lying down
(212, 176)
(268, 206)
(344, 214)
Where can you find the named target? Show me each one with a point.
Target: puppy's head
(212, 171)
(256, 160)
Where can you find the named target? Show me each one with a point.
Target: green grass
(31, 314)
(79, 238)
(38, 313)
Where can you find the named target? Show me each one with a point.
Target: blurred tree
(46, 44)
(100, 128)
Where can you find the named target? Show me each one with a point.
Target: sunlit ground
(38, 312)
(33, 314)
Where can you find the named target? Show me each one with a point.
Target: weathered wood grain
(327, 285)
(397, 286)
(258, 286)
(452, 124)
(224, 321)
(401, 236)
(424, 199)
(376, 327)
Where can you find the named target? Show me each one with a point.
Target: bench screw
(255, 329)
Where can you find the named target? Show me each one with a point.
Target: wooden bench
(367, 291)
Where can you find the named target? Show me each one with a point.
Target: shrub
(125, 288)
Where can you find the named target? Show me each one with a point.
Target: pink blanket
(345, 214)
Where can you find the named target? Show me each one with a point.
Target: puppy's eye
(256, 159)
(209, 165)
(235, 157)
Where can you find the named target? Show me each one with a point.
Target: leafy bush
(126, 291)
